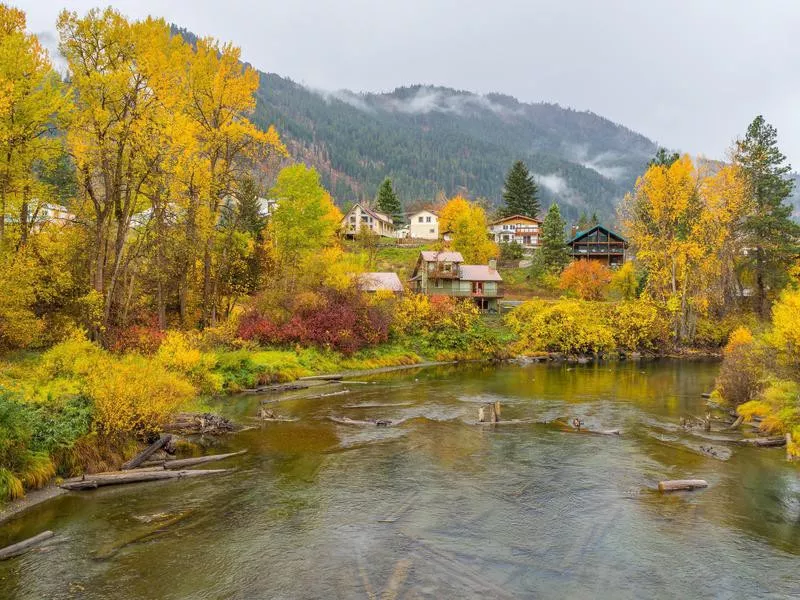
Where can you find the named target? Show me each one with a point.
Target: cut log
(676, 485)
(25, 545)
(705, 395)
(764, 442)
(90, 482)
(182, 463)
(145, 454)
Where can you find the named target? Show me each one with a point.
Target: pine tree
(663, 158)
(520, 192)
(248, 211)
(388, 202)
(553, 254)
(769, 231)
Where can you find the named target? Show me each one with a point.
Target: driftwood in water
(735, 425)
(489, 413)
(278, 387)
(189, 423)
(147, 452)
(182, 463)
(323, 378)
(339, 393)
(90, 482)
(676, 485)
(25, 545)
(374, 422)
(159, 527)
(763, 442)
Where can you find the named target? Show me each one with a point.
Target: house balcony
(498, 293)
(440, 273)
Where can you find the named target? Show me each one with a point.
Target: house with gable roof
(443, 273)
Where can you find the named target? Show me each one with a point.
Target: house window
(477, 288)
(446, 267)
(439, 283)
(420, 220)
(526, 239)
(353, 219)
(427, 219)
(430, 231)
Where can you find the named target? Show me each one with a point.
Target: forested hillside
(431, 139)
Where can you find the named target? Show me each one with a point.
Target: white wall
(428, 229)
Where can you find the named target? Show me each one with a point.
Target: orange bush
(588, 279)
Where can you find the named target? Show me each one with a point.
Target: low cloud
(424, 100)
(605, 163)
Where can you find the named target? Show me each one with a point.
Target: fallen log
(676, 485)
(705, 395)
(145, 454)
(735, 425)
(374, 422)
(25, 545)
(763, 442)
(278, 387)
(189, 423)
(199, 460)
(339, 393)
(323, 378)
(90, 482)
(160, 527)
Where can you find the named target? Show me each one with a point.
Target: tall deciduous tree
(682, 223)
(520, 193)
(553, 255)
(467, 224)
(33, 104)
(388, 203)
(772, 237)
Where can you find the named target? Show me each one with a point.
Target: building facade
(526, 231)
(600, 244)
(445, 274)
(362, 216)
(424, 225)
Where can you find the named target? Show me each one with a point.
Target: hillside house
(380, 282)
(362, 216)
(445, 274)
(424, 225)
(517, 228)
(600, 244)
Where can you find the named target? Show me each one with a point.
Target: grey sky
(688, 74)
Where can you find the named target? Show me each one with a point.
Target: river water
(438, 506)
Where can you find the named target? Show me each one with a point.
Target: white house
(424, 225)
(524, 230)
(359, 216)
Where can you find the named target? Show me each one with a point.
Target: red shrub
(344, 321)
(144, 339)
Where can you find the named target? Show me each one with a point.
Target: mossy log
(676, 485)
(182, 463)
(25, 545)
(90, 482)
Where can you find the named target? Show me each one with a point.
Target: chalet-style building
(424, 225)
(445, 274)
(600, 244)
(362, 216)
(517, 228)
(380, 282)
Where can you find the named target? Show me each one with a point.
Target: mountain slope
(431, 139)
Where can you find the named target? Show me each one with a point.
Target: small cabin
(600, 244)
(423, 225)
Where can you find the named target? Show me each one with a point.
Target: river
(439, 507)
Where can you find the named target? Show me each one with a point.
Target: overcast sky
(688, 74)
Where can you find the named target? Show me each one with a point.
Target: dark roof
(582, 234)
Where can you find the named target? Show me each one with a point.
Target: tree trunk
(90, 482)
(25, 545)
(145, 454)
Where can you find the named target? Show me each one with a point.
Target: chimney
(493, 263)
(574, 230)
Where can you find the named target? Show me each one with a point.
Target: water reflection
(438, 506)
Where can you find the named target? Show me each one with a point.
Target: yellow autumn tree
(33, 104)
(681, 222)
(466, 223)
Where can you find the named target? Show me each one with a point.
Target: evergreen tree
(586, 222)
(248, 212)
(663, 158)
(554, 255)
(388, 202)
(770, 234)
(520, 192)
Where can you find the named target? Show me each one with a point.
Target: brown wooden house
(600, 244)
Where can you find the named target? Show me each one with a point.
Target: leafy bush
(568, 326)
(638, 325)
(625, 282)
(344, 321)
(785, 335)
(144, 339)
(135, 395)
(180, 352)
(511, 251)
(742, 369)
(587, 279)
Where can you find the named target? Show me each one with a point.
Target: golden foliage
(466, 222)
(588, 279)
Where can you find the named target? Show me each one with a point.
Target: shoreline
(33, 498)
